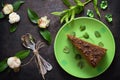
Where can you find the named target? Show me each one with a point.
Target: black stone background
(10, 43)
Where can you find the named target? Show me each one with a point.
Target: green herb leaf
(57, 13)
(32, 16)
(3, 65)
(90, 13)
(103, 4)
(67, 3)
(1, 15)
(64, 17)
(17, 5)
(78, 2)
(72, 15)
(46, 35)
(78, 9)
(108, 17)
(96, 7)
(13, 28)
(22, 54)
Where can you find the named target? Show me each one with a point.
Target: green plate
(69, 62)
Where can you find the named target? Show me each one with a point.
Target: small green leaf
(22, 54)
(96, 7)
(32, 16)
(46, 35)
(78, 9)
(78, 2)
(72, 15)
(103, 4)
(3, 65)
(67, 3)
(57, 13)
(17, 5)
(90, 13)
(63, 18)
(108, 17)
(13, 28)
(67, 17)
(1, 15)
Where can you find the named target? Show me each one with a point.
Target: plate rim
(111, 34)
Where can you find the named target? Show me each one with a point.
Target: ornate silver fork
(43, 65)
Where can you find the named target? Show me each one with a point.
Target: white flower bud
(43, 22)
(7, 9)
(13, 62)
(14, 18)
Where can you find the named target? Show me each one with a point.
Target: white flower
(43, 22)
(7, 9)
(14, 18)
(13, 62)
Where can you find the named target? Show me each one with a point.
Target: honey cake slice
(92, 53)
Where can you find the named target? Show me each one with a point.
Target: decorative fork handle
(46, 64)
(41, 67)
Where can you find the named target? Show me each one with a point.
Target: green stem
(85, 3)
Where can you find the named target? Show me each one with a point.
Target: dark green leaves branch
(16, 5)
(21, 54)
(33, 17)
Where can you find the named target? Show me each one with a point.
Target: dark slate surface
(10, 43)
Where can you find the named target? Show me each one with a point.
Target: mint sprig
(69, 14)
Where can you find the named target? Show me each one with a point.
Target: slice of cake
(92, 53)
